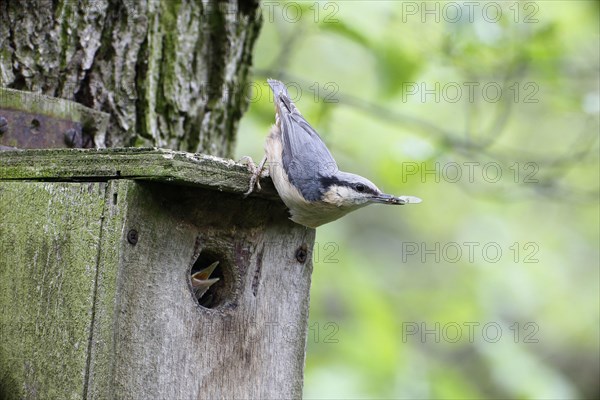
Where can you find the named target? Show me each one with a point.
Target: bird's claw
(256, 173)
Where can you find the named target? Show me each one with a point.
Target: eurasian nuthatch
(305, 174)
(201, 280)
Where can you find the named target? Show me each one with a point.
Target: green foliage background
(416, 302)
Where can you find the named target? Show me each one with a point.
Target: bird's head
(352, 191)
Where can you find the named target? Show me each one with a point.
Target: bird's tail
(283, 102)
(278, 88)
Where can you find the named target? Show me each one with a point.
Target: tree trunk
(170, 73)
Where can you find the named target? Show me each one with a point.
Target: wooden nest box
(96, 252)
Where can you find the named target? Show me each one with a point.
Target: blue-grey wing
(305, 157)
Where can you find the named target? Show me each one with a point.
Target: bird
(305, 173)
(201, 282)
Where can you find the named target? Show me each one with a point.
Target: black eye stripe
(327, 182)
(362, 188)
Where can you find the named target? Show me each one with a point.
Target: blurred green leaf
(548, 272)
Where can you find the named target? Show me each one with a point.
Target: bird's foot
(257, 172)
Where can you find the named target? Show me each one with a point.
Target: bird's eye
(360, 187)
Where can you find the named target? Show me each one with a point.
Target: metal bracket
(34, 121)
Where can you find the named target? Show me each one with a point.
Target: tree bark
(170, 73)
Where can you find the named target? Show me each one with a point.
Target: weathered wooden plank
(251, 342)
(48, 253)
(54, 118)
(102, 340)
(133, 163)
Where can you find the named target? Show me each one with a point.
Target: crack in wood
(256, 278)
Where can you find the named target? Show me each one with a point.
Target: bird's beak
(389, 199)
(200, 281)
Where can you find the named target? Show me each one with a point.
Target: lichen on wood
(48, 252)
